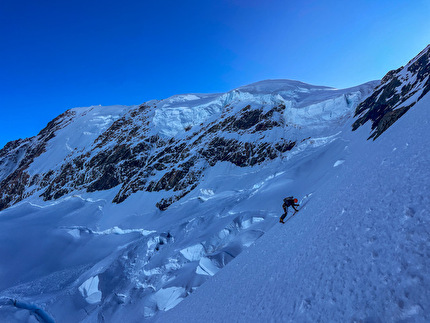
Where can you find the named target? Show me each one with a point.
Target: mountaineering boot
(280, 220)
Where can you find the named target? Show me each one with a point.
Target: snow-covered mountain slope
(26, 165)
(196, 180)
(399, 91)
(84, 258)
(358, 251)
(167, 145)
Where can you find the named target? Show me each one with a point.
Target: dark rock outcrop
(399, 91)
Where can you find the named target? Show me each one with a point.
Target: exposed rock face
(168, 145)
(18, 155)
(129, 156)
(399, 90)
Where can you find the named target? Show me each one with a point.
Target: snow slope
(84, 258)
(220, 250)
(359, 251)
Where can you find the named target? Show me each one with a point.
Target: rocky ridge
(399, 90)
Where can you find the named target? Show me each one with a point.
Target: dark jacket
(289, 201)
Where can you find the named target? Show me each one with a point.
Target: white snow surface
(307, 105)
(358, 250)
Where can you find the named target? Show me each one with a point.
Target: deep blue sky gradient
(57, 55)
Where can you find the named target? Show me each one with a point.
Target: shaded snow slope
(85, 259)
(169, 210)
(80, 258)
(358, 251)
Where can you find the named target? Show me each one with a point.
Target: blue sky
(57, 55)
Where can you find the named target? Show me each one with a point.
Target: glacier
(359, 250)
(356, 250)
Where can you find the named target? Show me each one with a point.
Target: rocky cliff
(399, 90)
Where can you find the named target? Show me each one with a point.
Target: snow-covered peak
(181, 98)
(279, 86)
(356, 252)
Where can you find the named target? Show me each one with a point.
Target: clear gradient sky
(56, 55)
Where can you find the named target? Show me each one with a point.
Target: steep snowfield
(83, 258)
(358, 251)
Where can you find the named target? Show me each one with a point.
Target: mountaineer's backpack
(288, 201)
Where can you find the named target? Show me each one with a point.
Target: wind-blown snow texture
(359, 251)
(198, 213)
